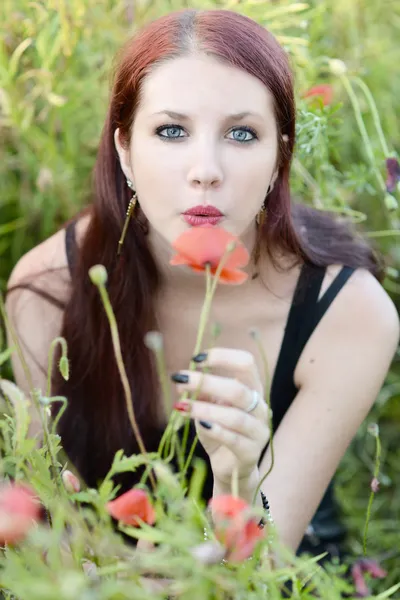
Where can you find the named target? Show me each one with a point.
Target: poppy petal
(203, 245)
(179, 259)
(232, 276)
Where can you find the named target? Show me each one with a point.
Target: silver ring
(255, 399)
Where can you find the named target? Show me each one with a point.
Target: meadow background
(56, 60)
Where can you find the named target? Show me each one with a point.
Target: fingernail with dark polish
(180, 378)
(200, 357)
(205, 424)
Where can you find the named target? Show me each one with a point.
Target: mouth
(202, 215)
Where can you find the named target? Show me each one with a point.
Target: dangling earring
(129, 213)
(262, 214)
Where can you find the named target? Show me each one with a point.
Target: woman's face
(204, 134)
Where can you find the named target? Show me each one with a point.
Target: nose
(205, 171)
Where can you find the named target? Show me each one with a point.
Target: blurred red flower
(361, 566)
(236, 530)
(323, 91)
(199, 246)
(132, 508)
(19, 510)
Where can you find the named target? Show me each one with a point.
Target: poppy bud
(98, 275)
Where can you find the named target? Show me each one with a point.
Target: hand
(232, 437)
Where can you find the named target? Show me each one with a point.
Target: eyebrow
(232, 117)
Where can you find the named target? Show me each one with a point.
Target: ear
(124, 156)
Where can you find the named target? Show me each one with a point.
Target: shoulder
(364, 302)
(37, 291)
(361, 325)
(47, 264)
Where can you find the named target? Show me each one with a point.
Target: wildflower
(373, 429)
(337, 66)
(132, 508)
(208, 553)
(234, 528)
(64, 367)
(390, 202)
(71, 482)
(393, 174)
(199, 246)
(19, 510)
(365, 565)
(375, 485)
(323, 91)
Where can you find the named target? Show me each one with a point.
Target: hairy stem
(122, 372)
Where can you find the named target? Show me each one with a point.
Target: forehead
(201, 83)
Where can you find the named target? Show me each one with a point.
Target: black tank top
(305, 313)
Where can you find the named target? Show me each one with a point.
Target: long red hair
(95, 424)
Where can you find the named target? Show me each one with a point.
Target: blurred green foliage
(56, 59)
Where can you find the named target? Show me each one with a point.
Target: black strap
(70, 245)
(305, 313)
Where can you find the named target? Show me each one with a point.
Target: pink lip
(198, 220)
(202, 215)
(204, 211)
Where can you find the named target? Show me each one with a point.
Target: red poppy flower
(323, 91)
(199, 246)
(238, 532)
(19, 509)
(132, 508)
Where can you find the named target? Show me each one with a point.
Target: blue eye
(172, 132)
(243, 134)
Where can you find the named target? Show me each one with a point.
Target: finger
(239, 362)
(223, 390)
(245, 449)
(228, 417)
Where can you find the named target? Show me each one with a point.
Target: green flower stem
(60, 413)
(375, 114)
(372, 494)
(267, 397)
(122, 372)
(361, 125)
(211, 286)
(204, 316)
(310, 181)
(53, 461)
(57, 341)
(384, 233)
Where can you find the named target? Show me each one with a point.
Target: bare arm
(34, 318)
(339, 375)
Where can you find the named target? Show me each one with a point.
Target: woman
(201, 130)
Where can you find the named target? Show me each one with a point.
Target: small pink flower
(365, 565)
(19, 510)
(375, 485)
(71, 482)
(359, 581)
